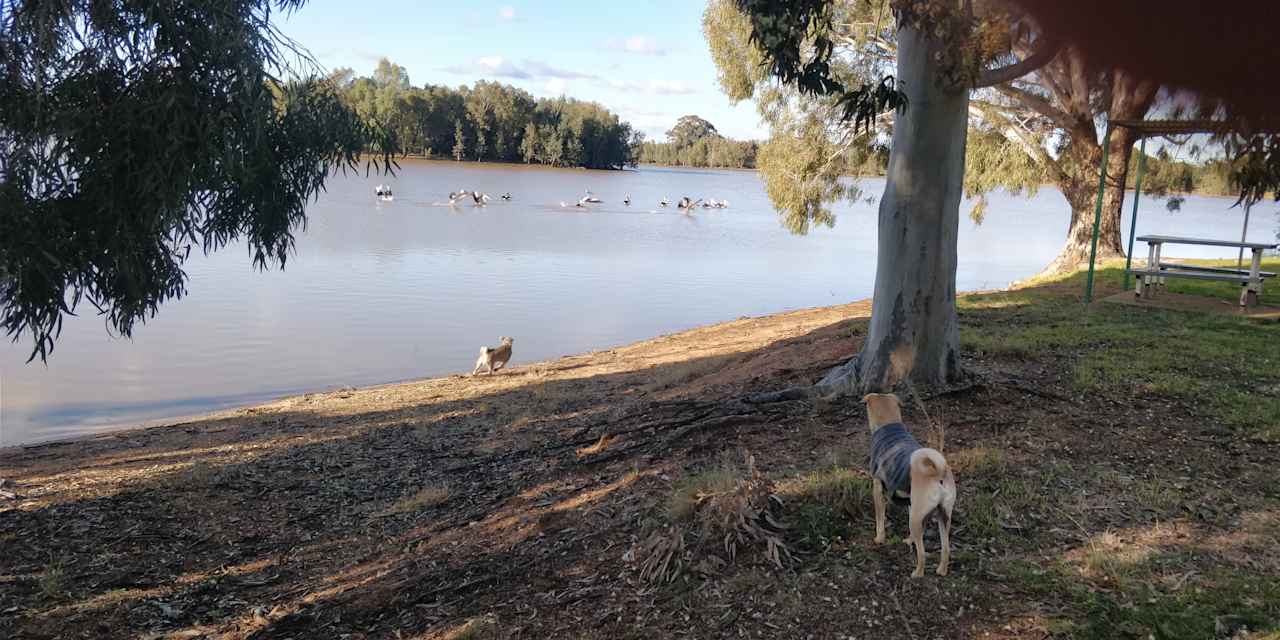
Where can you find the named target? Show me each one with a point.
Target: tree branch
(1041, 57)
(1036, 103)
(1016, 134)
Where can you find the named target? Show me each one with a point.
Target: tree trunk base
(1073, 259)
(844, 381)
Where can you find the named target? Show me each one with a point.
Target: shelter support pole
(1244, 233)
(1133, 221)
(1097, 215)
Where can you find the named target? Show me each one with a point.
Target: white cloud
(544, 70)
(658, 87)
(507, 13)
(643, 45)
(670, 87)
(556, 86)
(499, 67)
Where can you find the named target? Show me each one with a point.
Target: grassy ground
(1115, 468)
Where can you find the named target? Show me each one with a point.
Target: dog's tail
(484, 351)
(929, 463)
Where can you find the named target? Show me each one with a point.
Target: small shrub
(727, 508)
(53, 580)
(826, 502)
(427, 497)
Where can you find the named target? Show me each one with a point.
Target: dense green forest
(489, 121)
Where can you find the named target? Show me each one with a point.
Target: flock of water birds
(478, 198)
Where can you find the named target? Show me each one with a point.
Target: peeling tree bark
(914, 313)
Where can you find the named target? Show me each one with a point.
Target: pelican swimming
(454, 196)
(480, 199)
(686, 204)
(586, 199)
(627, 200)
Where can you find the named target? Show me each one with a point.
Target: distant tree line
(707, 152)
(1165, 175)
(694, 142)
(489, 121)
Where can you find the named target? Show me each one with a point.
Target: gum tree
(944, 51)
(131, 133)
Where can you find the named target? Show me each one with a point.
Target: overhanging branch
(1041, 57)
(1036, 103)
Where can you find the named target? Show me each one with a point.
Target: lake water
(381, 292)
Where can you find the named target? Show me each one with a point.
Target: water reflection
(388, 291)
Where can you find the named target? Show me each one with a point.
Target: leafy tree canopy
(690, 129)
(132, 132)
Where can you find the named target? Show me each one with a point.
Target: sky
(646, 61)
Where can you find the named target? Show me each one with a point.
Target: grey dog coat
(891, 449)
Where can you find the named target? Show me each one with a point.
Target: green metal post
(1097, 214)
(1133, 221)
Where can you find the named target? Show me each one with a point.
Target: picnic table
(1153, 275)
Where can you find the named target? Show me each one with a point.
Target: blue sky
(646, 61)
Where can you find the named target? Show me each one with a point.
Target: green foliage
(707, 152)
(459, 141)
(1256, 164)
(132, 132)
(993, 161)
(811, 148)
(494, 122)
(795, 41)
(691, 129)
(802, 176)
(1166, 176)
(739, 65)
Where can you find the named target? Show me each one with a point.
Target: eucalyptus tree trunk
(1082, 196)
(914, 330)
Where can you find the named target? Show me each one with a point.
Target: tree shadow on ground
(407, 510)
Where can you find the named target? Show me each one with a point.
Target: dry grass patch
(600, 445)
(482, 628)
(712, 516)
(978, 461)
(429, 496)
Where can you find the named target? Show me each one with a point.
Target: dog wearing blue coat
(903, 469)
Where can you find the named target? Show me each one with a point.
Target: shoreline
(127, 428)
(121, 429)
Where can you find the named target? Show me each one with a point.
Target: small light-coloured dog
(494, 358)
(898, 465)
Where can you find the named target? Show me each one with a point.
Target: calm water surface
(410, 289)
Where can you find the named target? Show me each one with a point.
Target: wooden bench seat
(1191, 275)
(1227, 270)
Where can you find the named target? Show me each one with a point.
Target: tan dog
(494, 358)
(898, 462)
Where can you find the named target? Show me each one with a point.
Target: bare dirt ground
(511, 506)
